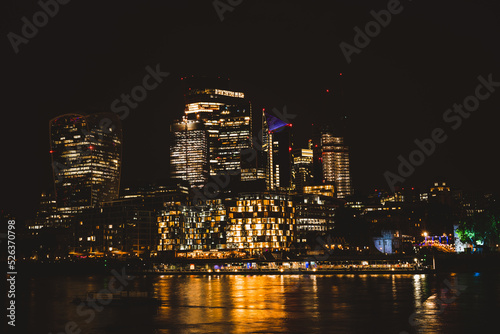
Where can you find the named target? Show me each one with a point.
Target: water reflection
(276, 303)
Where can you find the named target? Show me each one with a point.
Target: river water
(442, 303)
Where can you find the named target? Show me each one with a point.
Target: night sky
(280, 53)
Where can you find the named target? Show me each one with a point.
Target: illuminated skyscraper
(277, 148)
(302, 169)
(86, 159)
(335, 161)
(189, 152)
(228, 120)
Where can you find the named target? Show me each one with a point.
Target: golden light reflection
(266, 303)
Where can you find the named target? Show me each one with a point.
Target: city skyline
(386, 92)
(187, 114)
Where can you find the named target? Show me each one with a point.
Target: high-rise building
(277, 149)
(228, 120)
(189, 152)
(86, 159)
(302, 169)
(335, 162)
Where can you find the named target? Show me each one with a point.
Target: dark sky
(279, 53)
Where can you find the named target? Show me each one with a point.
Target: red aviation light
(91, 147)
(289, 149)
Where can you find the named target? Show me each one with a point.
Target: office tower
(277, 148)
(228, 120)
(335, 161)
(86, 159)
(259, 222)
(302, 169)
(189, 152)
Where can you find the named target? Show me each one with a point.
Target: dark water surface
(448, 303)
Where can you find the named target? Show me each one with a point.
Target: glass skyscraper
(228, 120)
(189, 152)
(335, 161)
(277, 148)
(86, 153)
(302, 169)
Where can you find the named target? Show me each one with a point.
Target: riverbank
(285, 272)
(441, 263)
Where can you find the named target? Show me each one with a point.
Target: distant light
(91, 147)
(289, 149)
(340, 73)
(290, 125)
(51, 151)
(328, 91)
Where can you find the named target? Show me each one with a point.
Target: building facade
(192, 228)
(189, 152)
(335, 162)
(86, 155)
(302, 169)
(228, 120)
(277, 145)
(259, 222)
